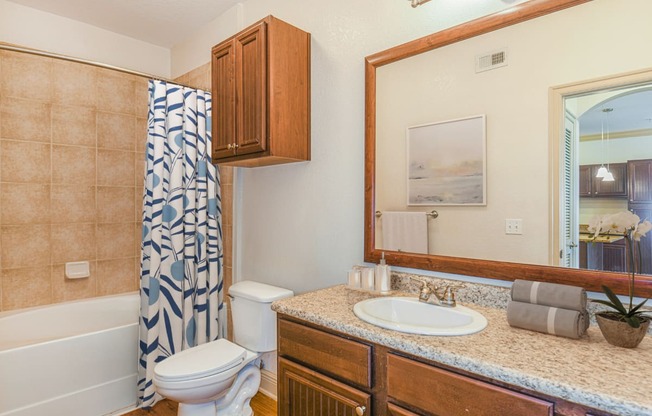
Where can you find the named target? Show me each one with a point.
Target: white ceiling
(159, 22)
(631, 110)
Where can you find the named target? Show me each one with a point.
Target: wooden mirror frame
(589, 279)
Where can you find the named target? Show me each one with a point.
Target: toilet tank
(254, 321)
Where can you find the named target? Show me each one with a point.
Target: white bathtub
(75, 358)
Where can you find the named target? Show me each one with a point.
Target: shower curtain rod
(84, 61)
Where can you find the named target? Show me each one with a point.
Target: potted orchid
(623, 326)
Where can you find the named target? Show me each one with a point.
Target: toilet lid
(201, 361)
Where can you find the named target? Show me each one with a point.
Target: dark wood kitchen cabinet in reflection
(591, 186)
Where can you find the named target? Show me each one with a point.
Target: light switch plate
(513, 226)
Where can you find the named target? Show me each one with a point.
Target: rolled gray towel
(547, 319)
(549, 294)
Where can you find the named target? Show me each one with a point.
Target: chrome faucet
(444, 298)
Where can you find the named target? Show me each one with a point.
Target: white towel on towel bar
(405, 231)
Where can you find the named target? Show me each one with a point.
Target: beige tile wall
(72, 140)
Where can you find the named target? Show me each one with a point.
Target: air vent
(491, 60)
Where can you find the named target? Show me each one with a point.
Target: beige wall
(22, 25)
(300, 225)
(71, 161)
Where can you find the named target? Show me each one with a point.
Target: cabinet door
(586, 179)
(251, 82)
(614, 257)
(222, 67)
(304, 392)
(644, 211)
(615, 188)
(640, 181)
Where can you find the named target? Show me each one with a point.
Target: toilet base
(209, 409)
(236, 402)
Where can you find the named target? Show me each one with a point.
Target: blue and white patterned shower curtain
(181, 260)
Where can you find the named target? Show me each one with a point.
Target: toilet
(221, 377)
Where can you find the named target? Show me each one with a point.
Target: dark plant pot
(619, 333)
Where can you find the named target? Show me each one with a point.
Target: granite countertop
(602, 238)
(588, 371)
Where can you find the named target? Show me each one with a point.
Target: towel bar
(432, 214)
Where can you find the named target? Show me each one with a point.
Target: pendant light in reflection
(602, 171)
(608, 176)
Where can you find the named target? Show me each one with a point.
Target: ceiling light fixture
(602, 171)
(608, 176)
(416, 3)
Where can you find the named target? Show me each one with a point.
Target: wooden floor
(261, 404)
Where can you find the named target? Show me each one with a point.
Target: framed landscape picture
(447, 163)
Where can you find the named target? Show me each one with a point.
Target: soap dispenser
(383, 276)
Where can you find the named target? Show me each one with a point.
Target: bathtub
(76, 358)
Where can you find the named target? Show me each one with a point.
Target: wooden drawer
(445, 393)
(330, 354)
(394, 410)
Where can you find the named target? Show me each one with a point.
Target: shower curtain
(181, 251)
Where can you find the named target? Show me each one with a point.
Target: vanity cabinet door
(304, 392)
(443, 393)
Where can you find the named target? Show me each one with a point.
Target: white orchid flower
(595, 225)
(641, 229)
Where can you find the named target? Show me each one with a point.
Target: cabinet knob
(231, 146)
(228, 146)
(359, 410)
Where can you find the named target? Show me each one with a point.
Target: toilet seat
(200, 362)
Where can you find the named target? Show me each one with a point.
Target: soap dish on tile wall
(77, 270)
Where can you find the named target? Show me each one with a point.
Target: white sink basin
(409, 315)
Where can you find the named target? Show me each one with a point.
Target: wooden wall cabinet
(590, 186)
(640, 203)
(261, 96)
(325, 373)
(640, 181)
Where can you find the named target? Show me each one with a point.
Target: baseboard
(268, 383)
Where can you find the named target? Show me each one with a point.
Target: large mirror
(527, 80)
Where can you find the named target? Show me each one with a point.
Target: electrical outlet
(513, 226)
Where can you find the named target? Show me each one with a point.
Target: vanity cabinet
(261, 96)
(322, 372)
(590, 186)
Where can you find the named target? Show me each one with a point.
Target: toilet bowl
(219, 378)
